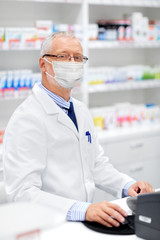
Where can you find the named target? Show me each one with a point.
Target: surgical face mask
(67, 74)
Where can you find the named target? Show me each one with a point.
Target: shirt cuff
(126, 187)
(78, 211)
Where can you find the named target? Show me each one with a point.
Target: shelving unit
(132, 150)
(121, 53)
(24, 13)
(84, 12)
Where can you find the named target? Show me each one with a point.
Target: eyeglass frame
(85, 59)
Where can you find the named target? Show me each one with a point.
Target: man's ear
(42, 64)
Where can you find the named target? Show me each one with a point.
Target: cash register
(146, 208)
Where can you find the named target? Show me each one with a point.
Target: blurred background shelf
(107, 136)
(124, 86)
(104, 44)
(132, 3)
(52, 1)
(124, 44)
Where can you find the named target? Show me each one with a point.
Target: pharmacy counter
(36, 222)
(77, 230)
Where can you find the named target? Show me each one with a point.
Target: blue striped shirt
(78, 211)
(57, 99)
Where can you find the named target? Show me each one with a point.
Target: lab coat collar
(50, 107)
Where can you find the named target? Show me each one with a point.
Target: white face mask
(67, 74)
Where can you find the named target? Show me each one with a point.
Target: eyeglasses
(67, 57)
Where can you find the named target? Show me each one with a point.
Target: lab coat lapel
(51, 108)
(65, 120)
(79, 116)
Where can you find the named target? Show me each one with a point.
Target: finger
(142, 186)
(132, 192)
(116, 216)
(107, 217)
(118, 209)
(152, 189)
(148, 189)
(103, 222)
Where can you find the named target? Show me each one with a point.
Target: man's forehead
(66, 44)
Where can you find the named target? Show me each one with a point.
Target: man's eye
(78, 58)
(62, 56)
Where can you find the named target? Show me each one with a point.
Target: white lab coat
(47, 161)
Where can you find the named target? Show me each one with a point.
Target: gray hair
(46, 44)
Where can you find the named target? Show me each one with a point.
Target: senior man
(51, 151)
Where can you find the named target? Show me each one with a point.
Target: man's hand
(140, 187)
(106, 213)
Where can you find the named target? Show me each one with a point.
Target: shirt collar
(57, 99)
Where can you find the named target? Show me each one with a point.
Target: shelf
(8, 99)
(105, 44)
(124, 86)
(132, 132)
(52, 1)
(132, 3)
(0, 154)
(117, 44)
(106, 88)
(21, 49)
